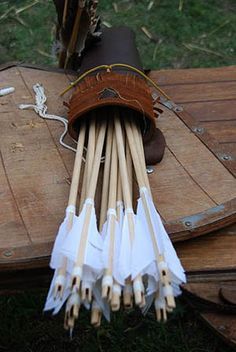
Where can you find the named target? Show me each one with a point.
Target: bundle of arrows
(130, 255)
(112, 249)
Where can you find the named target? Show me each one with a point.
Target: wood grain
(201, 92)
(210, 293)
(196, 159)
(34, 168)
(223, 324)
(10, 217)
(223, 131)
(53, 88)
(196, 75)
(222, 110)
(213, 252)
(174, 191)
(37, 168)
(230, 149)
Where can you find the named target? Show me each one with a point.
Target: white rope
(41, 109)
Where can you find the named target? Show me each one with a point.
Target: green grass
(24, 328)
(202, 34)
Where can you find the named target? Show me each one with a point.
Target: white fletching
(106, 247)
(125, 257)
(56, 257)
(55, 303)
(163, 241)
(94, 245)
(103, 304)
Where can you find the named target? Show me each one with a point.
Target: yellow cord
(109, 68)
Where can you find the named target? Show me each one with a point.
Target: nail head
(7, 253)
(188, 223)
(149, 170)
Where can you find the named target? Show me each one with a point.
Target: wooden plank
(217, 149)
(195, 75)
(223, 131)
(212, 110)
(214, 252)
(53, 88)
(202, 223)
(174, 192)
(228, 294)
(206, 298)
(24, 127)
(37, 176)
(223, 324)
(201, 92)
(210, 294)
(10, 218)
(8, 78)
(196, 159)
(230, 149)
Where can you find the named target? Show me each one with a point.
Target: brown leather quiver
(119, 87)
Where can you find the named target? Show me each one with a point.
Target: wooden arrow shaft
(73, 193)
(122, 163)
(106, 172)
(77, 167)
(91, 194)
(91, 151)
(139, 165)
(97, 160)
(139, 143)
(74, 36)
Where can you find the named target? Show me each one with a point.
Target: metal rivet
(226, 157)
(221, 328)
(149, 170)
(188, 223)
(178, 109)
(154, 95)
(7, 253)
(198, 130)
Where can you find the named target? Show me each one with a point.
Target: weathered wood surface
(215, 301)
(204, 94)
(211, 257)
(223, 324)
(215, 296)
(35, 169)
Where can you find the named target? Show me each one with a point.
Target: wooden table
(194, 187)
(30, 149)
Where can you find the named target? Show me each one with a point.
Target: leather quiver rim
(105, 89)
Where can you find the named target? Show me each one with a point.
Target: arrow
(128, 232)
(83, 246)
(167, 266)
(58, 262)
